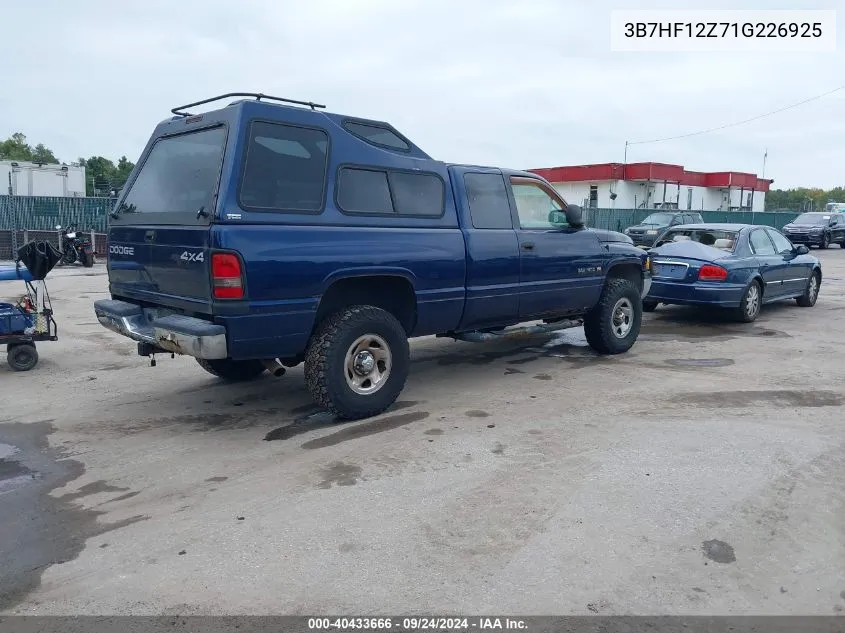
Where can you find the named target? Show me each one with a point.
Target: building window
(594, 197)
(689, 198)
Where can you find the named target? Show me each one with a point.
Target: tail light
(711, 272)
(227, 276)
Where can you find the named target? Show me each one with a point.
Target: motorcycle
(75, 248)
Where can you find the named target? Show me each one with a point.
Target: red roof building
(657, 186)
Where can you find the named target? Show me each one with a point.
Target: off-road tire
(232, 370)
(598, 322)
(650, 306)
(325, 361)
(22, 357)
(811, 295)
(742, 313)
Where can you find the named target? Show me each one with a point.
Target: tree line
(803, 198)
(102, 175)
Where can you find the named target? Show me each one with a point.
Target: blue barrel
(12, 273)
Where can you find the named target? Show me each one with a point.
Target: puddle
(38, 529)
(783, 398)
(359, 430)
(700, 362)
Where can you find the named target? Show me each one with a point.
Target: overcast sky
(518, 84)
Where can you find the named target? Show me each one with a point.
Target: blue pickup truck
(269, 233)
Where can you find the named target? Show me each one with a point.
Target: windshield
(179, 176)
(724, 240)
(811, 218)
(659, 218)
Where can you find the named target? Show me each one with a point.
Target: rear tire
(649, 306)
(749, 305)
(233, 370)
(88, 260)
(357, 362)
(613, 325)
(811, 292)
(22, 357)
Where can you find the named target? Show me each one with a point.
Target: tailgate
(159, 231)
(162, 265)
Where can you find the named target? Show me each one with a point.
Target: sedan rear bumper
(175, 333)
(702, 293)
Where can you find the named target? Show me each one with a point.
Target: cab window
(535, 204)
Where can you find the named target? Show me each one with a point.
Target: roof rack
(179, 110)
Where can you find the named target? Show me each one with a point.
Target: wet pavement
(702, 472)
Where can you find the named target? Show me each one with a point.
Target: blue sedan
(735, 266)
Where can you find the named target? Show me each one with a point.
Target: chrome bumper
(175, 333)
(646, 286)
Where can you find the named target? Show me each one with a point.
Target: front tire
(613, 325)
(811, 292)
(825, 241)
(22, 357)
(357, 362)
(749, 305)
(232, 370)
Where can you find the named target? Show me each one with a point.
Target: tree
(103, 175)
(44, 155)
(16, 148)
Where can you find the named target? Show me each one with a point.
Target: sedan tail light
(227, 276)
(711, 272)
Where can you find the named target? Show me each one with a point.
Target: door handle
(528, 246)
(149, 236)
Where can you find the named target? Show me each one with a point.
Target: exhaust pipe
(274, 367)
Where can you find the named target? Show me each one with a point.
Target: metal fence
(619, 219)
(36, 217)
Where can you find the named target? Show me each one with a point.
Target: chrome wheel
(752, 301)
(367, 365)
(623, 318)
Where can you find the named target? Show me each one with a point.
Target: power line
(723, 127)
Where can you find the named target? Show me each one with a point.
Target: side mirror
(801, 250)
(574, 216)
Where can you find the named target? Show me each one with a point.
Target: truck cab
(268, 233)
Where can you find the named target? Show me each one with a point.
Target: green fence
(43, 213)
(619, 219)
(91, 214)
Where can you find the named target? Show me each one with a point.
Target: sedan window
(782, 244)
(761, 244)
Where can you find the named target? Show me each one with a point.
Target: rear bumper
(703, 293)
(175, 333)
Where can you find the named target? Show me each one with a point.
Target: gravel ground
(701, 473)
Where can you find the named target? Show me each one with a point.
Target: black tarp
(39, 258)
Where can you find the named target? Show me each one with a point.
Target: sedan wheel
(811, 293)
(749, 307)
(825, 241)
